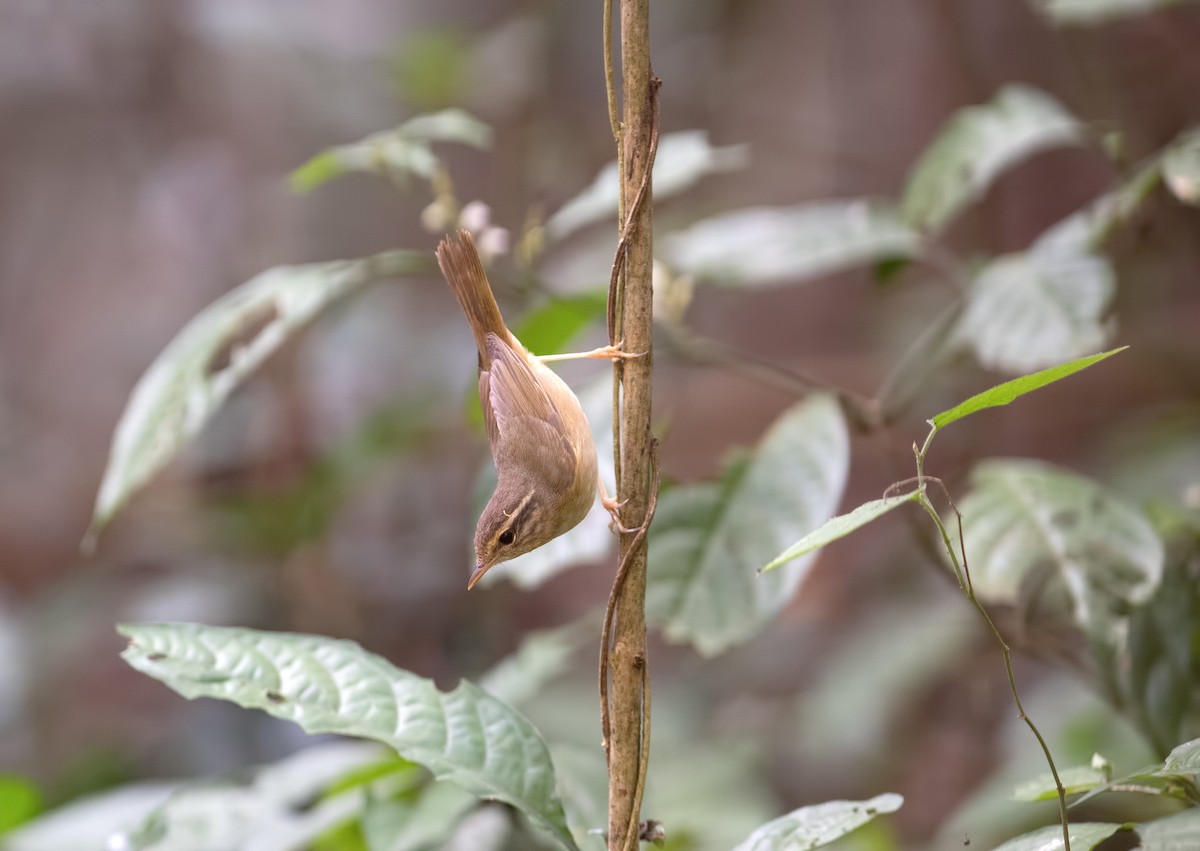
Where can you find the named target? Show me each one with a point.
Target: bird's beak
(477, 574)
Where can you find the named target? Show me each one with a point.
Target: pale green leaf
(1057, 543)
(542, 656)
(1178, 832)
(839, 527)
(762, 245)
(398, 153)
(1075, 779)
(89, 822)
(194, 375)
(415, 825)
(325, 685)
(813, 826)
(275, 812)
(589, 541)
(1004, 393)
(1181, 168)
(1033, 309)
(708, 540)
(1084, 837)
(1184, 759)
(583, 786)
(976, 145)
(683, 159)
(1067, 12)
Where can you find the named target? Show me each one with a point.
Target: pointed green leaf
(818, 825)
(1059, 544)
(1075, 779)
(763, 245)
(683, 159)
(839, 527)
(708, 540)
(1084, 837)
(1181, 167)
(976, 145)
(465, 736)
(400, 152)
(194, 375)
(1004, 393)
(1032, 309)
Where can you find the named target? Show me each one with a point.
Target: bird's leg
(610, 352)
(613, 507)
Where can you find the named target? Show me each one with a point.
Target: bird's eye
(507, 536)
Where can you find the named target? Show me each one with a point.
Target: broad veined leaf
(839, 527)
(976, 145)
(683, 159)
(1084, 837)
(1181, 167)
(763, 245)
(1051, 540)
(275, 812)
(396, 153)
(1184, 759)
(1097, 11)
(1179, 832)
(194, 375)
(591, 540)
(465, 736)
(819, 824)
(1032, 309)
(708, 540)
(1009, 391)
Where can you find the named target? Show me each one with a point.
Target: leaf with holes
(465, 736)
(194, 375)
(763, 245)
(976, 145)
(819, 824)
(1057, 543)
(708, 540)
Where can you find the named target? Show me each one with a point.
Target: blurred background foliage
(1042, 185)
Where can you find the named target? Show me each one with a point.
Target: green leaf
(1057, 544)
(549, 328)
(976, 145)
(1068, 12)
(465, 736)
(1033, 309)
(1086, 230)
(1075, 779)
(400, 152)
(194, 375)
(1004, 393)
(817, 825)
(88, 822)
(415, 825)
(274, 812)
(589, 541)
(542, 656)
(1184, 759)
(1181, 167)
(20, 801)
(708, 540)
(1178, 832)
(762, 245)
(1084, 837)
(683, 159)
(839, 527)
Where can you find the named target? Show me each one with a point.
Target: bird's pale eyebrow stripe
(515, 515)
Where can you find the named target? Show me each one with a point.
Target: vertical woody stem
(628, 708)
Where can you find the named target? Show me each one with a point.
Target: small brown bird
(541, 443)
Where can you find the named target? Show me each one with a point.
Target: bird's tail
(463, 270)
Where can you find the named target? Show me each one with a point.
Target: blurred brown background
(144, 149)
